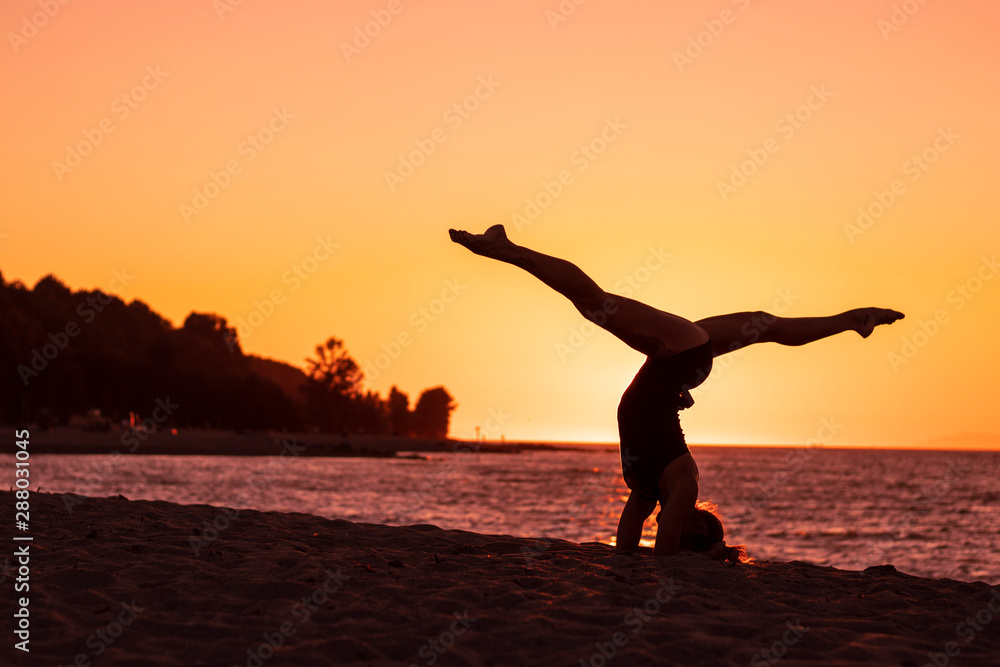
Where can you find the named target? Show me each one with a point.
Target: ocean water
(929, 513)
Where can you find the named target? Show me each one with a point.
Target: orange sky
(222, 152)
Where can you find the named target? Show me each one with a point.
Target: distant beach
(123, 582)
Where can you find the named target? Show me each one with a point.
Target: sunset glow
(294, 167)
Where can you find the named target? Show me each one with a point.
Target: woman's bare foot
(866, 319)
(492, 243)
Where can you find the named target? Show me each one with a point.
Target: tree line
(66, 354)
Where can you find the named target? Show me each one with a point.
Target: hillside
(66, 354)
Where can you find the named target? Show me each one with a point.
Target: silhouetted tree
(50, 287)
(368, 414)
(212, 331)
(398, 405)
(432, 414)
(333, 386)
(334, 369)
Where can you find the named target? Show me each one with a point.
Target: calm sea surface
(934, 514)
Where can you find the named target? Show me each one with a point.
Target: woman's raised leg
(736, 330)
(644, 328)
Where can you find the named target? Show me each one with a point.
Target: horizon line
(581, 443)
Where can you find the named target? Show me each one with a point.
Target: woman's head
(703, 531)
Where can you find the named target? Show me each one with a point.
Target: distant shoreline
(66, 440)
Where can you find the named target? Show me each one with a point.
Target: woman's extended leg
(736, 330)
(639, 326)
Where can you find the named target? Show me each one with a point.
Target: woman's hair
(704, 530)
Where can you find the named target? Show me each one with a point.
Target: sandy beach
(121, 582)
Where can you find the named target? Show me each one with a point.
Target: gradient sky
(834, 99)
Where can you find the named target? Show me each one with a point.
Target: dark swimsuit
(649, 423)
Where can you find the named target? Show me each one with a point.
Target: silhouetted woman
(656, 463)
